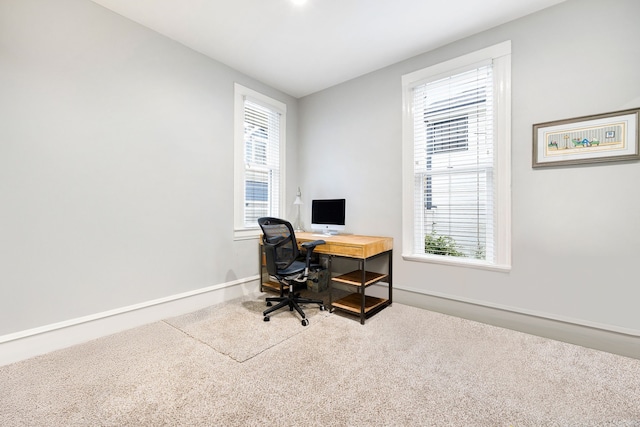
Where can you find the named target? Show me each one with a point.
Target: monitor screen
(328, 215)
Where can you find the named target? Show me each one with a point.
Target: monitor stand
(325, 233)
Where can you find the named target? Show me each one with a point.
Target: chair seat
(295, 268)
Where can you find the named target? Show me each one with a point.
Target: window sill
(458, 262)
(246, 233)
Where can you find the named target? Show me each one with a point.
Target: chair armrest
(312, 245)
(309, 247)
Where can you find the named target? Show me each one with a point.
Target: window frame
(242, 232)
(500, 55)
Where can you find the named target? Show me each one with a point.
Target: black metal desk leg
(330, 258)
(390, 277)
(362, 288)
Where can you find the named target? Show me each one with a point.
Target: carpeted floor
(224, 366)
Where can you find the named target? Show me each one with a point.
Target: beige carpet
(404, 367)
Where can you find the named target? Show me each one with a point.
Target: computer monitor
(327, 215)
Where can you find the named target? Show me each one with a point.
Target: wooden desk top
(348, 245)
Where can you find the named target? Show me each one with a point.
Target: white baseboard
(623, 342)
(25, 344)
(33, 342)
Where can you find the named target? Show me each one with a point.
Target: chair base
(292, 301)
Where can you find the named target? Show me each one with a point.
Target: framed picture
(598, 138)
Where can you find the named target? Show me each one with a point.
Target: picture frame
(589, 139)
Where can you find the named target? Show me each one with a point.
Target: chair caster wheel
(266, 318)
(305, 322)
(322, 308)
(269, 304)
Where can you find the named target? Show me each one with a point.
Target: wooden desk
(348, 245)
(361, 249)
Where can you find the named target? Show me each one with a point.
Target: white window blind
(259, 160)
(262, 162)
(454, 165)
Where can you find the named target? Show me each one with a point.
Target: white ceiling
(304, 49)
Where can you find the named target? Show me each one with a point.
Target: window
(259, 159)
(456, 161)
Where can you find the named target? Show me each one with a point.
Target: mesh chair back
(279, 241)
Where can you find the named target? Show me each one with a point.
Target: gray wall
(116, 152)
(575, 230)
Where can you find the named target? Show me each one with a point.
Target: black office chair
(282, 253)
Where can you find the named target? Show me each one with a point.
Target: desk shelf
(272, 286)
(358, 303)
(354, 278)
(353, 303)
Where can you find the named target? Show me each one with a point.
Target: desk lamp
(297, 202)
